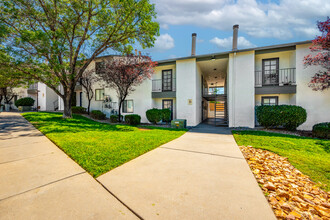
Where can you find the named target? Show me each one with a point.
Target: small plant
(78, 109)
(322, 130)
(97, 114)
(288, 116)
(133, 119)
(27, 101)
(166, 115)
(154, 115)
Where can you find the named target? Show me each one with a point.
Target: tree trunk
(119, 110)
(89, 105)
(67, 113)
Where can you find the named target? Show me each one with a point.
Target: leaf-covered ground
(99, 147)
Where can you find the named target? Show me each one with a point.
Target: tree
(123, 73)
(86, 81)
(9, 79)
(321, 44)
(55, 41)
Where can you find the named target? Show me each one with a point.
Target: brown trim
(171, 89)
(277, 69)
(171, 106)
(269, 97)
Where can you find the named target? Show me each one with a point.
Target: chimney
(235, 35)
(193, 45)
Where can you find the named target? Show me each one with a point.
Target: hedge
(322, 130)
(288, 116)
(166, 115)
(97, 114)
(78, 109)
(133, 119)
(27, 101)
(114, 118)
(154, 115)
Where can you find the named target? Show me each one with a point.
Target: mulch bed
(302, 133)
(291, 194)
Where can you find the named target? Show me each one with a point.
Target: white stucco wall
(287, 59)
(199, 95)
(51, 96)
(241, 89)
(186, 90)
(141, 97)
(316, 103)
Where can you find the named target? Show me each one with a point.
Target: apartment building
(222, 88)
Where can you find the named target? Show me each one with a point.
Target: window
(99, 94)
(128, 106)
(219, 90)
(270, 71)
(98, 67)
(167, 80)
(270, 100)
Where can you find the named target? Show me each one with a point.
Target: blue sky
(261, 23)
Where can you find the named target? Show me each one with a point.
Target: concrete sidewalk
(201, 175)
(39, 181)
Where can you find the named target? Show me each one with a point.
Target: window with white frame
(99, 94)
(128, 106)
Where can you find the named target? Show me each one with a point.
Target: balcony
(33, 89)
(277, 81)
(163, 89)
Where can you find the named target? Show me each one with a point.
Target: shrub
(322, 130)
(154, 115)
(114, 118)
(166, 115)
(133, 119)
(288, 116)
(97, 114)
(27, 101)
(78, 109)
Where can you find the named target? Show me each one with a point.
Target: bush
(154, 115)
(288, 116)
(114, 118)
(166, 115)
(97, 114)
(133, 119)
(78, 109)
(28, 101)
(322, 130)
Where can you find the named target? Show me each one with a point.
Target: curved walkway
(39, 181)
(201, 175)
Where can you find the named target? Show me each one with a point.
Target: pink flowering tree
(321, 48)
(124, 73)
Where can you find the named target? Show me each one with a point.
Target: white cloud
(226, 43)
(281, 20)
(163, 42)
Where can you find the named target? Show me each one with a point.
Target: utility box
(179, 123)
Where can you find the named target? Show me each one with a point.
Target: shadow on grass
(52, 122)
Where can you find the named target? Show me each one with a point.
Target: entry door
(270, 71)
(167, 80)
(168, 103)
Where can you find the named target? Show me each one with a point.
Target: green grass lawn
(99, 147)
(310, 156)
